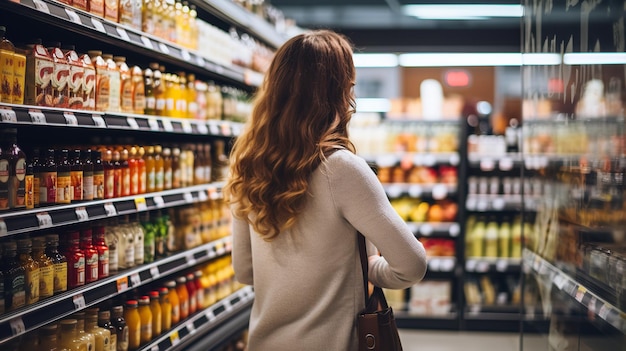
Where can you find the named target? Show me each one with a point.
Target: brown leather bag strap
(364, 269)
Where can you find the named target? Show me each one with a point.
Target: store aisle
(435, 340)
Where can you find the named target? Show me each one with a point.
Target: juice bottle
(133, 321)
(121, 328)
(48, 337)
(69, 339)
(7, 50)
(59, 262)
(133, 171)
(167, 168)
(100, 245)
(183, 296)
(115, 93)
(159, 171)
(174, 301)
(192, 104)
(181, 96)
(91, 255)
(176, 169)
(85, 156)
(111, 240)
(193, 27)
(208, 163)
(102, 336)
(169, 20)
(491, 239)
(127, 244)
(103, 81)
(64, 180)
(39, 71)
(150, 170)
(166, 309)
(104, 321)
(149, 91)
(17, 168)
(77, 176)
(192, 293)
(98, 175)
(89, 83)
(46, 267)
(201, 89)
(171, 93)
(148, 23)
(31, 270)
(75, 78)
(145, 315)
(75, 261)
(19, 77)
(139, 90)
(14, 277)
(29, 185)
(85, 336)
(112, 10)
(504, 239)
(117, 174)
(138, 239)
(157, 314)
(96, 7)
(109, 175)
(158, 13)
(37, 163)
(181, 35)
(141, 168)
(125, 167)
(126, 84)
(199, 289)
(48, 180)
(60, 78)
(158, 89)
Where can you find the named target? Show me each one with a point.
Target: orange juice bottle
(174, 301)
(150, 169)
(126, 84)
(181, 96)
(155, 308)
(141, 169)
(145, 316)
(183, 296)
(166, 309)
(139, 90)
(133, 322)
(133, 169)
(103, 83)
(159, 170)
(7, 50)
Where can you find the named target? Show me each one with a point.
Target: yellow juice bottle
(102, 336)
(155, 308)
(181, 96)
(7, 50)
(145, 316)
(68, 336)
(19, 77)
(171, 88)
(133, 322)
(166, 309)
(174, 301)
(192, 97)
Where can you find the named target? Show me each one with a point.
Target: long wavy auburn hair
(300, 114)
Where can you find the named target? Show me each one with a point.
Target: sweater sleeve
(361, 200)
(242, 251)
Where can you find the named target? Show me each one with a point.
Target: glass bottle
(207, 163)
(133, 321)
(48, 180)
(157, 317)
(181, 96)
(121, 328)
(117, 174)
(14, 278)
(220, 161)
(102, 335)
(192, 105)
(88, 191)
(64, 182)
(199, 165)
(48, 338)
(37, 163)
(109, 174)
(100, 245)
(139, 240)
(76, 176)
(104, 321)
(125, 172)
(59, 262)
(158, 169)
(46, 267)
(176, 169)
(145, 316)
(69, 338)
(31, 270)
(192, 294)
(75, 261)
(29, 185)
(98, 175)
(126, 252)
(160, 235)
(158, 89)
(174, 301)
(7, 49)
(167, 168)
(112, 239)
(141, 168)
(150, 169)
(139, 90)
(183, 296)
(91, 255)
(133, 171)
(87, 337)
(149, 238)
(166, 309)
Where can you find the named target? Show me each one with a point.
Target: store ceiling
(380, 26)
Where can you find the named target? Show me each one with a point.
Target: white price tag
(580, 293)
(214, 129)
(506, 164)
(154, 272)
(482, 205)
(140, 204)
(154, 124)
(188, 198)
(41, 6)
(603, 312)
(185, 54)
(110, 209)
(17, 326)
(70, 119)
(209, 315)
(154, 348)
(487, 164)
(135, 280)
(498, 204)
(454, 230)
(98, 25)
(200, 61)
(174, 339)
(430, 160)
(502, 265)
(73, 16)
(471, 203)
(220, 250)
(132, 123)
(44, 220)
(191, 260)
(426, 229)
(99, 121)
(214, 194)
(415, 191)
(37, 117)
(482, 266)
(158, 200)
(236, 129)
(3, 228)
(454, 159)
(147, 43)
(434, 264)
(122, 33)
(81, 214)
(164, 49)
(79, 302)
(447, 265)
(191, 328)
(226, 129)
(202, 128)
(440, 192)
(167, 125)
(470, 265)
(187, 127)
(202, 196)
(8, 115)
(211, 252)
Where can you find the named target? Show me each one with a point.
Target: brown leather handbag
(376, 325)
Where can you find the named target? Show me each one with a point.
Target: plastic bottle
(158, 89)
(139, 90)
(59, 263)
(192, 293)
(170, 85)
(199, 290)
(149, 243)
(504, 239)
(99, 243)
(16, 166)
(126, 84)
(46, 267)
(183, 296)
(103, 81)
(69, 338)
(102, 336)
(150, 169)
(491, 239)
(167, 168)
(91, 255)
(117, 174)
(126, 178)
(145, 314)
(115, 94)
(48, 338)
(139, 240)
(166, 309)
(192, 104)
(75, 261)
(181, 96)
(149, 91)
(104, 321)
(121, 328)
(14, 277)
(109, 175)
(98, 175)
(76, 176)
(177, 180)
(31, 270)
(159, 170)
(174, 301)
(85, 156)
(7, 49)
(133, 321)
(141, 167)
(64, 180)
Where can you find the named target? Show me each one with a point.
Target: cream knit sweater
(307, 281)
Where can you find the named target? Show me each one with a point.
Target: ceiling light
(466, 12)
(595, 58)
(460, 59)
(541, 59)
(375, 60)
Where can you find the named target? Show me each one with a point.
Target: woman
(299, 194)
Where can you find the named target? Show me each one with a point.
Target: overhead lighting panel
(463, 12)
(375, 60)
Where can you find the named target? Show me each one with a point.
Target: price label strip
(164, 49)
(122, 33)
(174, 339)
(73, 16)
(135, 279)
(99, 121)
(185, 54)
(187, 127)
(41, 6)
(188, 198)
(140, 204)
(132, 123)
(122, 284)
(214, 129)
(167, 125)
(81, 214)
(191, 328)
(110, 209)
(202, 196)
(79, 302)
(98, 25)
(202, 128)
(8, 115)
(70, 119)
(154, 272)
(37, 117)
(17, 326)
(200, 61)
(147, 43)
(191, 260)
(158, 200)
(44, 220)
(153, 124)
(154, 348)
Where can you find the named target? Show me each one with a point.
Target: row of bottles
(131, 320)
(41, 266)
(488, 237)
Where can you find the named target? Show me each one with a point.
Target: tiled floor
(434, 340)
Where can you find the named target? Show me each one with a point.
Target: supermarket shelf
(93, 26)
(25, 221)
(19, 322)
(488, 163)
(200, 323)
(505, 318)
(442, 264)
(595, 305)
(558, 120)
(221, 336)
(436, 229)
(488, 203)
(414, 158)
(493, 264)
(407, 320)
(55, 117)
(438, 191)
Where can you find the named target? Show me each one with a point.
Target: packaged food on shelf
(430, 298)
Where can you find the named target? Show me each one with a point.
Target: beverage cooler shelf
(597, 306)
(43, 116)
(202, 322)
(19, 322)
(17, 222)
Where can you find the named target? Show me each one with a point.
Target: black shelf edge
(204, 321)
(596, 305)
(437, 191)
(493, 265)
(24, 221)
(19, 322)
(416, 158)
(435, 229)
(406, 320)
